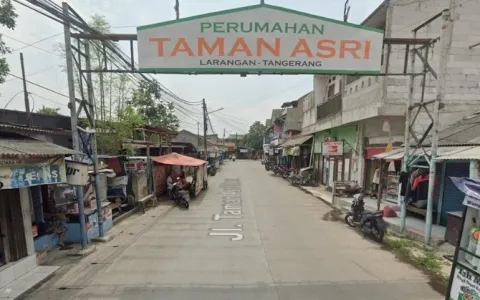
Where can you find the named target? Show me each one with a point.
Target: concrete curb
(35, 286)
(83, 252)
(319, 198)
(126, 215)
(104, 239)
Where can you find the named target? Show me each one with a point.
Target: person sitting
(182, 181)
(171, 180)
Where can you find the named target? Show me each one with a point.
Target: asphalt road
(269, 242)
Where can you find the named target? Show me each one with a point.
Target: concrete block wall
(361, 99)
(463, 75)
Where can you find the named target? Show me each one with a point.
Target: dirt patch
(423, 258)
(335, 215)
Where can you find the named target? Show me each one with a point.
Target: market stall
(193, 167)
(464, 280)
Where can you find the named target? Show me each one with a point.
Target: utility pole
(445, 45)
(93, 137)
(25, 92)
(236, 142)
(205, 127)
(177, 9)
(198, 135)
(73, 118)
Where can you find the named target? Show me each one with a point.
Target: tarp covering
(297, 141)
(471, 188)
(176, 159)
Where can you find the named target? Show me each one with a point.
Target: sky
(244, 99)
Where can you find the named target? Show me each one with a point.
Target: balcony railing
(332, 106)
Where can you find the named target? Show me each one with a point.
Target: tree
(147, 100)
(254, 137)
(114, 88)
(48, 110)
(7, 19)
(111, 135)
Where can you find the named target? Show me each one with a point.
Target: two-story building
(354, 117)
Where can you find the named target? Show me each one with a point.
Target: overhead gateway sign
(259, 39)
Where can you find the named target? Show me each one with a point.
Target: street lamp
(213, 111)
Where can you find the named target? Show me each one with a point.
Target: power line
(11, 99)
(34, 43)
(30, 45)
(40, 86)
(35, 73)
(50, 100)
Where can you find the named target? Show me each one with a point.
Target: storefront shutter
(453, 197)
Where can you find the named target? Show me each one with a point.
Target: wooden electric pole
(205, 127)
(25, 92)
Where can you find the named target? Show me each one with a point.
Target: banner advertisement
(465, 285)
(259, 39)
(77, 173)
(332, 148)
(15, 177)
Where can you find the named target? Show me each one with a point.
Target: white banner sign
(332, 148)
(259, 39)
(77, 173)
(471, 202)
(465, 285)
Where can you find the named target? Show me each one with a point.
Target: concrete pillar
(27, 219)
(320, 86)
(360, 156)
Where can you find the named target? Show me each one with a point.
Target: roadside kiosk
(464, 282)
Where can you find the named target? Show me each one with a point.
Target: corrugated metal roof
(386, 154)
(24, 146)
(296, 141)
(463, 132)
(399, 153)
(468, 153)
(19, 128)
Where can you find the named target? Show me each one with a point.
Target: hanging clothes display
(415, 187)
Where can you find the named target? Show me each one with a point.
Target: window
(369, 81)
(351, 89)
(356, 88)
(331, 91)
(363, 84)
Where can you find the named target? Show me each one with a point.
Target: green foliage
(147, 100)
(48, 110)
(111, 135)
(8, 18)
(254, 137)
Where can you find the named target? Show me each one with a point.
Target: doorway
(13, 245)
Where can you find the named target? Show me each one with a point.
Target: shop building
(458, 146)
(376, 105)
(26, 166)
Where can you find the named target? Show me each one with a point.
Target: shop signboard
(465, 285)
(77, 173)
(243, 150)
(259, 39)
(15, 177)
(332, 148)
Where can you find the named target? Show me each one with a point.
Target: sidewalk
(414, 227)
(64, 273)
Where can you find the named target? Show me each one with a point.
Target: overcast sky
(245, 99)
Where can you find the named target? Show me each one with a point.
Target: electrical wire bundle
(112, 52)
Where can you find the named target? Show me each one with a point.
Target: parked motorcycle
(211, 170)
(371, 223)
(181, 197)
(268, 166)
